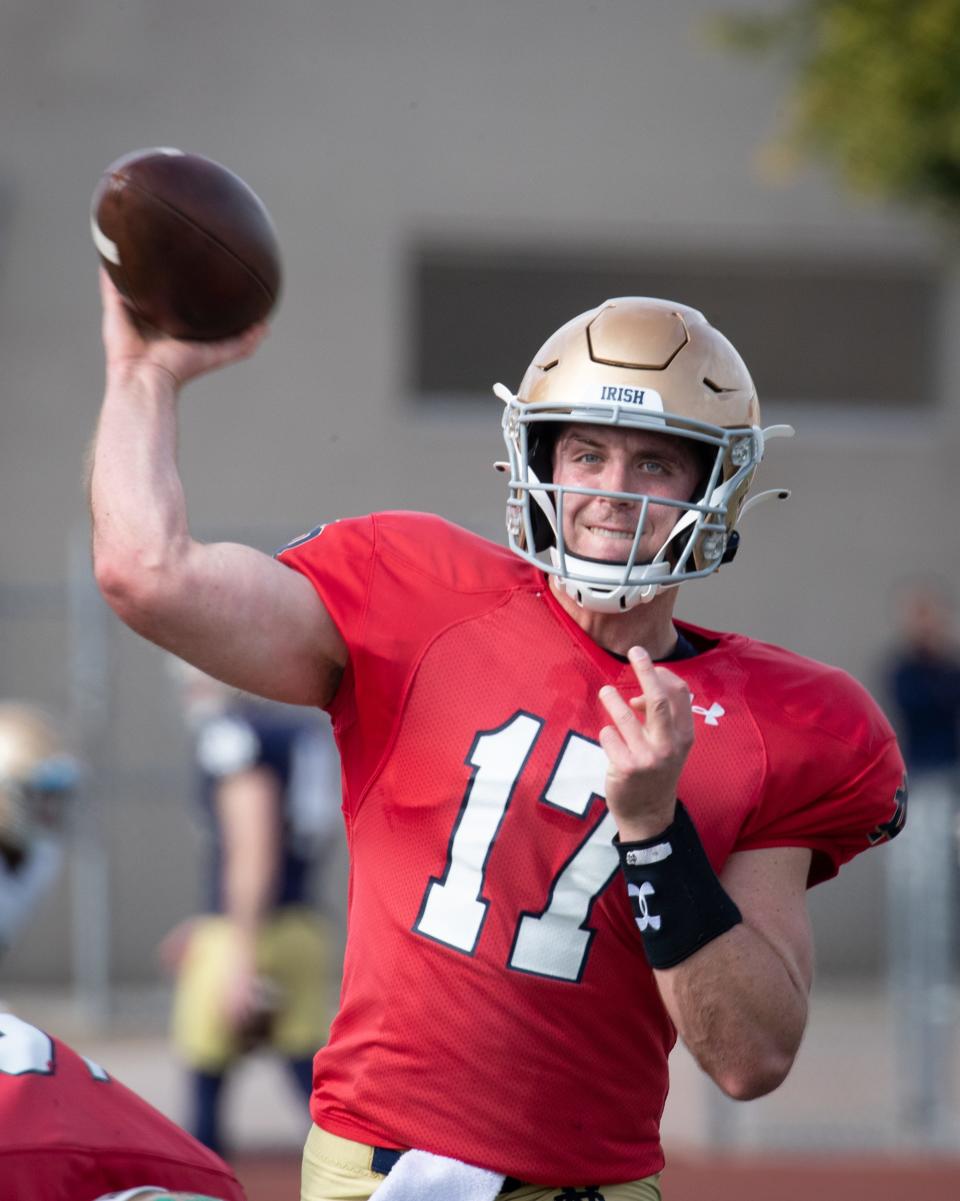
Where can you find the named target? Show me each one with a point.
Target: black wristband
(678, 902)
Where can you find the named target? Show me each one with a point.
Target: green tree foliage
(876, 91)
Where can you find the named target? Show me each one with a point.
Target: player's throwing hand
(647, 745)
(130, 347)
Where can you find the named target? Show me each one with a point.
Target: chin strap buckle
(733, 545)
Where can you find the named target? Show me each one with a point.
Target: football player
(70, 1132)
(37, 777)
(251, 970)
(578, 827)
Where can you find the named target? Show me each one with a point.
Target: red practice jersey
(497, 1006)
(68, 1132)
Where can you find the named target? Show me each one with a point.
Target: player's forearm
(136, 498)
(248, 807)
(740, 1009)
(248, 890)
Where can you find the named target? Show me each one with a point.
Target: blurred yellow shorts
(338, 1169)
(293, 952)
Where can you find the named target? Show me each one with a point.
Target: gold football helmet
(636, 363)
(36, 772)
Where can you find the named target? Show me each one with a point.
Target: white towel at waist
(420, 1176)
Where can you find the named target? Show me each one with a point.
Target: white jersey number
(555, 941)
(25, 1050)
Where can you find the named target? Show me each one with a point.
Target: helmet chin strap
(618, 597)
(544, 503)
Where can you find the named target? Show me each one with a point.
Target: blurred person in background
(38, 776)
(923, 683)
(70, 1132)
(254, 971)
(577, 826)
(924, 680)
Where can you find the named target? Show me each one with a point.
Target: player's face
(617, 460)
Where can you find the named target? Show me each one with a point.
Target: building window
(814, 328)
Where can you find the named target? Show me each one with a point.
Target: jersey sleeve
(378, 601)
(368, 580)
(836, 783)
(338, 561)
(394, 583)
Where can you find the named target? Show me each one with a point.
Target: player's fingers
(679, 728)
(229, 350)
(622, 715)
(615, 749)
(656, 697)
(250, 339)
(114, 309)
(108, 290)
(681, 701)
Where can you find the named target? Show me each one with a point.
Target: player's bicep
(770, 889)
(254, 623)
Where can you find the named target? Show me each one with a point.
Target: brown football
(189, 245)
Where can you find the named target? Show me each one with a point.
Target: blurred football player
(37, 776)
(252, 972)
(923, 679)
(577, 827)
(70, 1132)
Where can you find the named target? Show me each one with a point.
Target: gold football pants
(337, 1169)
(292, 950)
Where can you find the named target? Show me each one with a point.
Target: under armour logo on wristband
(645, 919)
(697, 909)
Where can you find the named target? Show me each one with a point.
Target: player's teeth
(623, 535)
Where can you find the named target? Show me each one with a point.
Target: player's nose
(617, 477)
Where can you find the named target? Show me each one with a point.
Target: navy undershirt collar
(684, 649)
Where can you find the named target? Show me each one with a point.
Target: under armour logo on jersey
(589, 1193)
(645, 919)
(712, 715)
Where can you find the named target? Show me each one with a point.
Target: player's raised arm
(231, 610)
